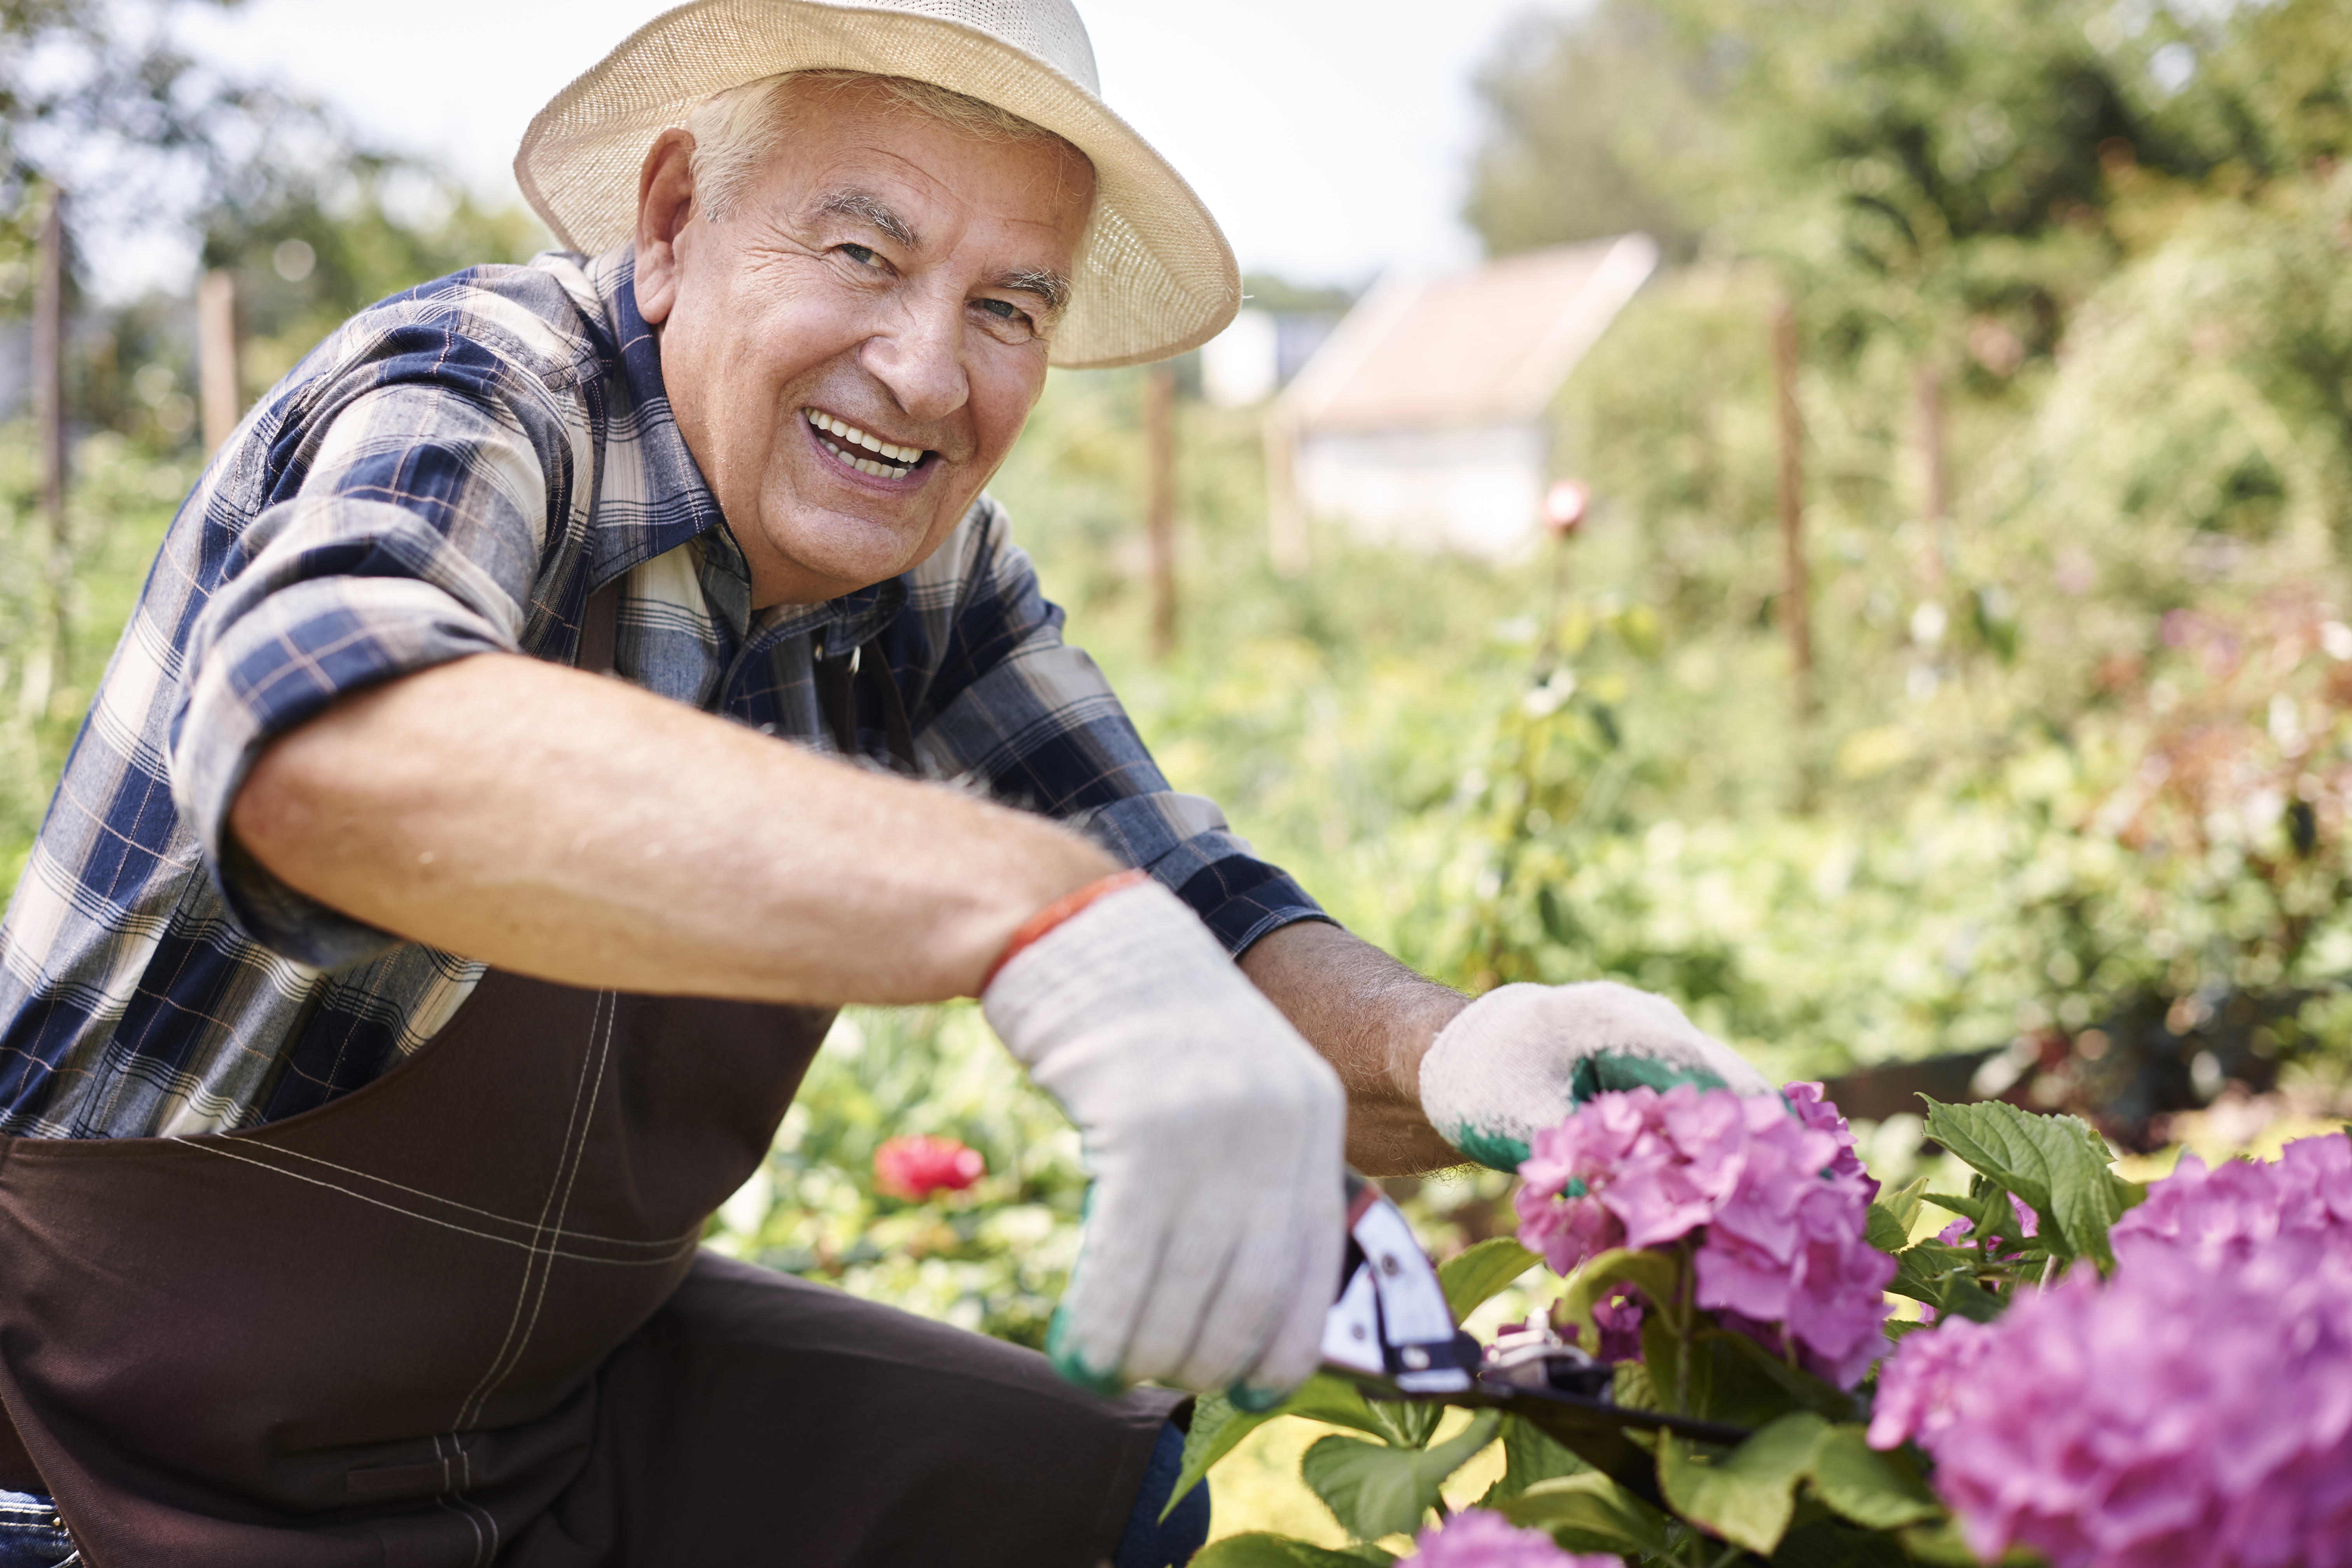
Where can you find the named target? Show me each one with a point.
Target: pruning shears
(1392, 1334)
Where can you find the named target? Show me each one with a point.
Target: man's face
(887, 280)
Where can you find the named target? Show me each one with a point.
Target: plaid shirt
(454, 472)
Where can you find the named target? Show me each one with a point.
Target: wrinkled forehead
(823, 140)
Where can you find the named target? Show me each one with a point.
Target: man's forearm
(1373, 1019)
(575, 828)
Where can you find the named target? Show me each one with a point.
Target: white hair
(735, 133)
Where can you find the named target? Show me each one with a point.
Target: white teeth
(878, 471)
(901, 459)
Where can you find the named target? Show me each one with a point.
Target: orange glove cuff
(1054, 913)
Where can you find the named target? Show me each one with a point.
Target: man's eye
(1004, 311)
(861, 255)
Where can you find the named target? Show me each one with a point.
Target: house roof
(1481, 346)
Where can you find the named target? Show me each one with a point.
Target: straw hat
(1154, 276)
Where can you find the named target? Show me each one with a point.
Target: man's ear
(665, 202)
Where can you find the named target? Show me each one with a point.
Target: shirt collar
(679, 506)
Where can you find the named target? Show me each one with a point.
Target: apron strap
(599, 629)
(836, 699)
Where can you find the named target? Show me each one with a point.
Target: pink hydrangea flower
(2229, 1210)
(913, 1168)
(2196, 1408)
(1618, 1316)
(1480, 1538)
(1917, 1385)
(1783, 1232)
(1818, 1113)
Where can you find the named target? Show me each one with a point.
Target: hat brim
(1154, 276)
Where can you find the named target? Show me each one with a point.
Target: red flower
(914, 1168)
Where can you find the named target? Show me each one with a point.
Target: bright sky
(1330, 136)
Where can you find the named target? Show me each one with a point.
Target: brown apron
(458, 1317)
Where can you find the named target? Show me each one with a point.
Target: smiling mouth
(869, 454)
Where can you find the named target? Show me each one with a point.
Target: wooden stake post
(221, 399)
(1935, 500)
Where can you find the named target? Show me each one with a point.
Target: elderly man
(460, 862)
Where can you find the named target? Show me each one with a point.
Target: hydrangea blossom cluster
(1479, 1538)
(1779, 1203)
(2195, 1409)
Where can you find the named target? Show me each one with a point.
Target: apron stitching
(678, 1249)
(465, 1512)
(673, 1243)
(574, 1154)
(573, 1129)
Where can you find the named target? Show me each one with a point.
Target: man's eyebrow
(1051, 287)
(869, 208)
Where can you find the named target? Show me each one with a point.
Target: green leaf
(1892, 1217)
(1658, 1274)
(1903, 1202)
(1602, 1515)
(1374, 1491)
(2056, 1164)
(1941, 1544)
(1885, 1232)
(1219, 1425)
(1405, 1423)
(1987, 1213)
(1473, 1276)
(1748, 1495)
(1258, 1550)
(1528, 1455)
(1962, 1295)
(1878, 1491)
(1822, 1541)
(1335, 1401)
(1752, 1385)
(1945, 1277)
(1631, 1387)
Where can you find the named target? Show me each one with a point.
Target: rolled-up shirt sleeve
(1017, 710)
(407, 533)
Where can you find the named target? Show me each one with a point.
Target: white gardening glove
(1521, 1058)
(1213, 1134)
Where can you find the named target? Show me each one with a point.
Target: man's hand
(1521, 1058)
(1212, 1131)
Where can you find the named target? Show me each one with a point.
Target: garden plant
(2093, 1373)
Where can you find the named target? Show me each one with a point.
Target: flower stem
(1689, 1293)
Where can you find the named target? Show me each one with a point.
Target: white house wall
(1477, 489)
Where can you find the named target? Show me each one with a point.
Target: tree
(1589, 120)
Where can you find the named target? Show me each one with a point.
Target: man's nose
(918, 356)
